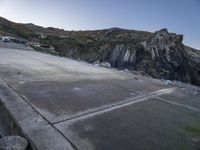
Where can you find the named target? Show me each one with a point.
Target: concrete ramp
(60, 104)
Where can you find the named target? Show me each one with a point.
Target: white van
(5, 39)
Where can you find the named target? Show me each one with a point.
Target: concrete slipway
(62, 104)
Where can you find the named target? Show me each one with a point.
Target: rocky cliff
(160, 54)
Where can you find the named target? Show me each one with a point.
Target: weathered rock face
(166, 50)
(162, 56)
(121, 56)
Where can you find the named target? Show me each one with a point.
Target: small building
(5, 38)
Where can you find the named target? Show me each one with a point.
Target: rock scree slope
(160, 54)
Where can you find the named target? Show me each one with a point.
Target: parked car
(5, 39)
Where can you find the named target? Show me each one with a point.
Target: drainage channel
(7, 125)
(9, 132)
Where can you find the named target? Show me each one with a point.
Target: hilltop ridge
(160, 55)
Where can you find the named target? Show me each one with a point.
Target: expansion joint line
(129, 101)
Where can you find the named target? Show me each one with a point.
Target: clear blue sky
(180, 16)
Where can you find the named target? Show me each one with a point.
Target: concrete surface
(28, 122)
(86, 107)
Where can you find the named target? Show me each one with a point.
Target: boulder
(13, 143)
(105, 64)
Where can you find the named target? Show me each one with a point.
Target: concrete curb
(29, 123)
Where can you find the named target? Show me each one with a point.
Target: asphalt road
(95, 108)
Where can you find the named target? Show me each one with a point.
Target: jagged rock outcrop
(163, 55)
(170, 58)
(121, 56)
(160, 54)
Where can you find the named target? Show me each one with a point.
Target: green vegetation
(18, 31)
(195, 131)
(45, 50)
(183, 146)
